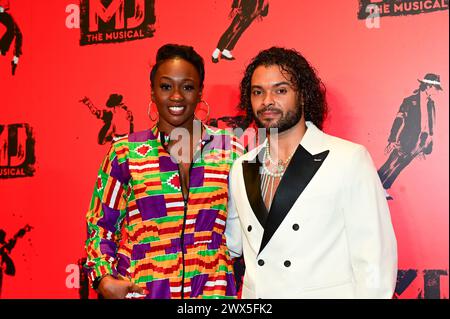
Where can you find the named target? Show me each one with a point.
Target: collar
(164, 138)
(313, 141)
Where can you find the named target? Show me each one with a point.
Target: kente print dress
(141, 227)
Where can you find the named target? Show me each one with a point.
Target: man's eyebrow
(276, 84)
(282, 83)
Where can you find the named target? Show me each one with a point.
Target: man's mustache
(269, 109)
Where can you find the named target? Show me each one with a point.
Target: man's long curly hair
(310, 88)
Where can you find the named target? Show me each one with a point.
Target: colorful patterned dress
(141, 227)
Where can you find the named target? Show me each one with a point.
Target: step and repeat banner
(71, 71)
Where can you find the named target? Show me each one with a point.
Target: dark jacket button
(249, 228)
(287, 263)
(261, 262)
(295, 227)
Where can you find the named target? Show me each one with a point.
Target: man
(307, 209)
(243, 12)
(412, 131)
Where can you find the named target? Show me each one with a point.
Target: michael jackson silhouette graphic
(243, 12)
(117, 119)
(12, 32)
(412, 131)
(6, 263)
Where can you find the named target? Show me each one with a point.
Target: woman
(157, 218)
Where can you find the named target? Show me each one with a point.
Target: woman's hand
(112, 288)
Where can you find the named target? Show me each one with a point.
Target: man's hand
(112, 288)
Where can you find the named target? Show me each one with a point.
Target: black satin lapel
(252, 179)
(299, 173)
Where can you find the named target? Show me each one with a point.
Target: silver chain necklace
(269, 176)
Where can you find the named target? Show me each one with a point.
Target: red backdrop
(368, 72)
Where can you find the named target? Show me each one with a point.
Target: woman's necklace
(271, 173)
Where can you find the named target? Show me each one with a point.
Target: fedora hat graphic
(432, 79)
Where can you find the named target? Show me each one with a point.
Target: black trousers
(390, 170)
(237, 27)
(12, 31)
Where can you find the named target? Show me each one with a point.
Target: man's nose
(268, 99)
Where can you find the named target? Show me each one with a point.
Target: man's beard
(287, 120)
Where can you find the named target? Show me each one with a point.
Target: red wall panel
(368, 73)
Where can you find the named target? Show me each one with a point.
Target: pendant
(280, 169)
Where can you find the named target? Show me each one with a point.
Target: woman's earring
(153, 114)
(205, 118)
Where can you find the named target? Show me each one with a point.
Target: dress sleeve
(106, 216)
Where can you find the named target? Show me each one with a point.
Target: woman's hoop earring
(206, 118)
(150, 112)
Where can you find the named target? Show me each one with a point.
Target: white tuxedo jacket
(328, 233)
